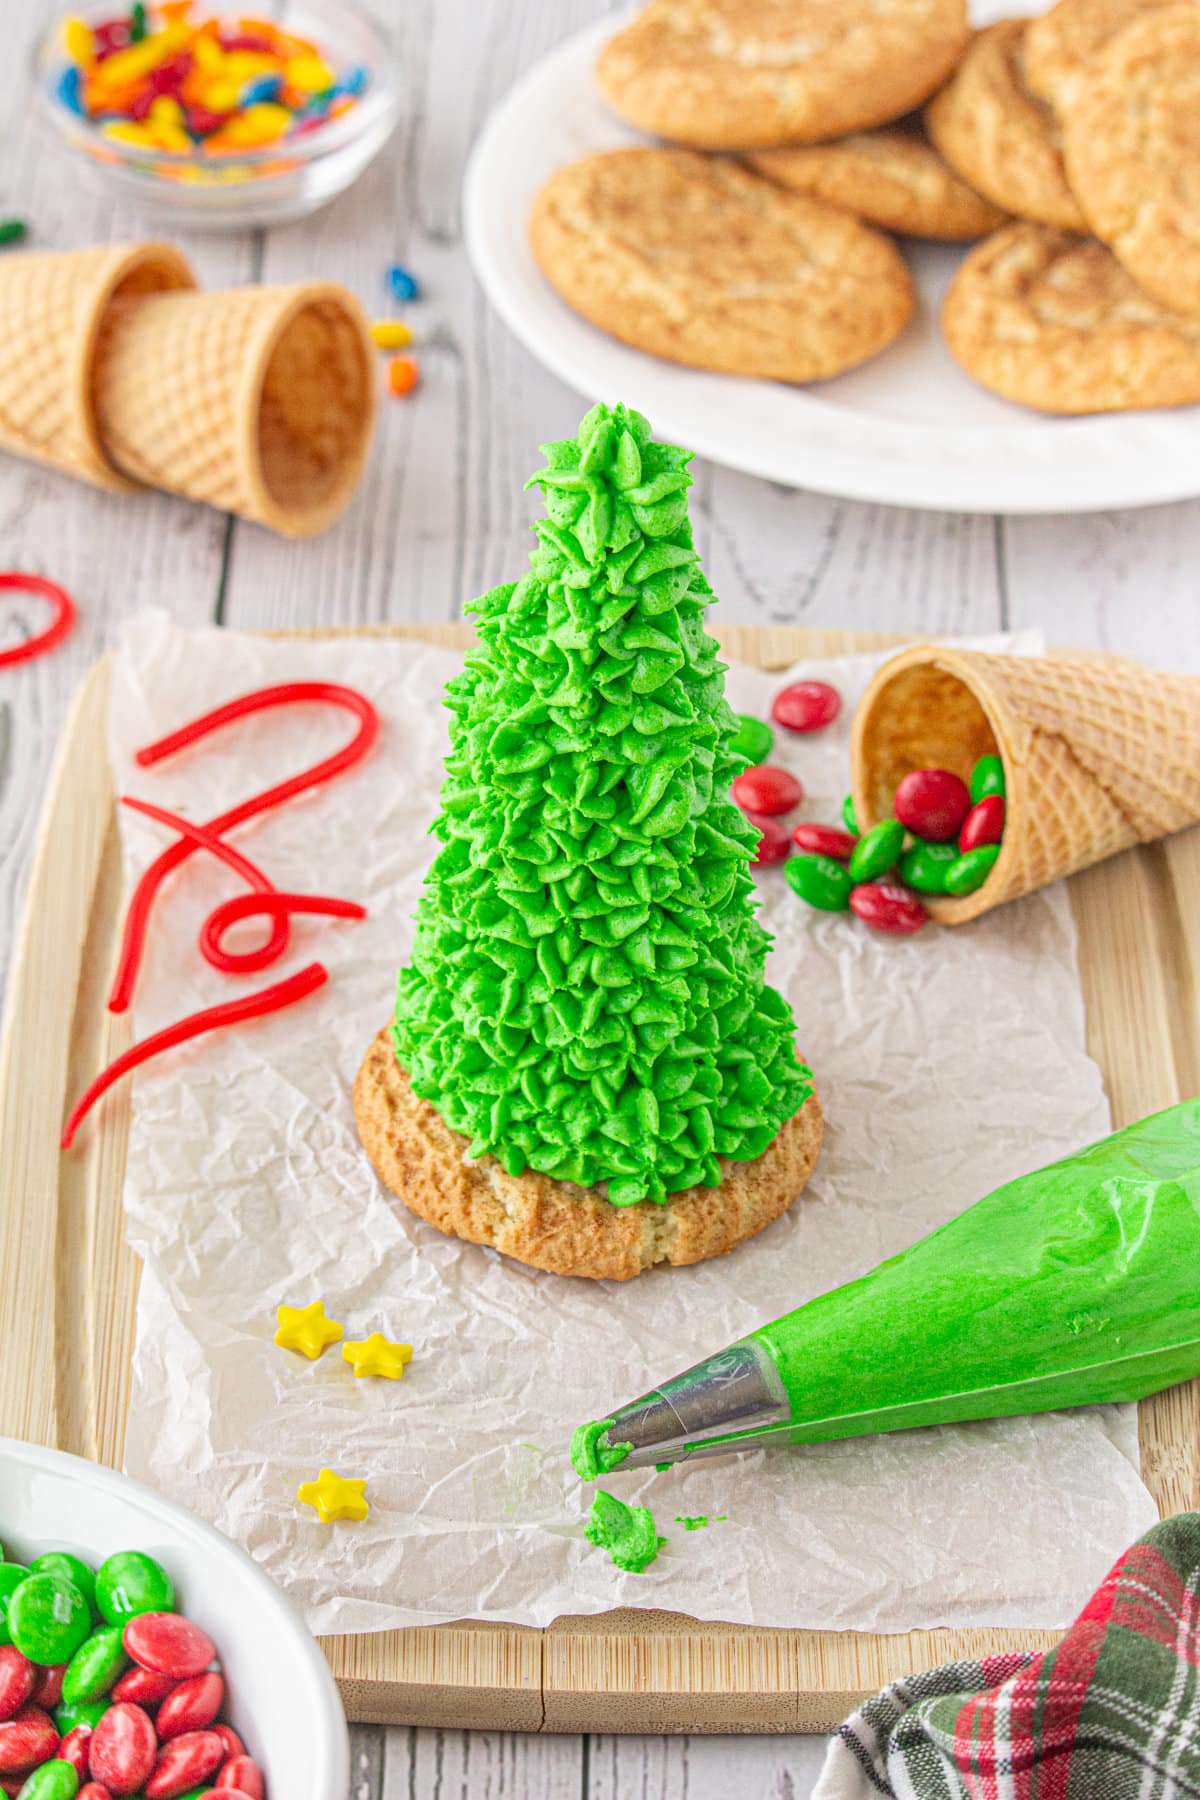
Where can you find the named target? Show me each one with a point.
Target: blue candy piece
(264, 87)
(355, 81)
(66, 90)
(402, 285)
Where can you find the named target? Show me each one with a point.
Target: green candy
(72, 1569)
(820, 880)
(966, 873)
(987, 777)
(849, 816)
(55, 1780)
(79, 1712)
(876, 852)
(131, 1583)
(752, 739)
(11, 1577)
(925, 866)
(95, 1666)
(48, 1619)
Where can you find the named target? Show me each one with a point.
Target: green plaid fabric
(1113, 1713)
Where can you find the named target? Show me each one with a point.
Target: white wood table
(440, 518)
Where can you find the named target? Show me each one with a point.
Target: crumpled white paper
(947, 1063)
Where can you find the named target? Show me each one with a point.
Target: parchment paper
(947, 1064)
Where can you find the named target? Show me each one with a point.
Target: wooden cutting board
(68, 1284)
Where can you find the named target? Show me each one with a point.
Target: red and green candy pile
(762, 791)
(943, 839)
(107, 1691)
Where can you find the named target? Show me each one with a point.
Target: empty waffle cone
(54, 312)
(1098, 755)
(259, 400)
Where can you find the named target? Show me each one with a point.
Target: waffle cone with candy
(1098, 755)
(585, 1016)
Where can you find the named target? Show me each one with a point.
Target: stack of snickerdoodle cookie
(1069, 143)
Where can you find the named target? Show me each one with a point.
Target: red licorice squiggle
(59, 626)
(213, 1018)
(266, 898)
(285, 694)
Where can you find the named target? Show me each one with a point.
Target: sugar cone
(1099, 754)
(259, 400)
(54, 310)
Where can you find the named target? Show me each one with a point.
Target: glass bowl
(247, 187)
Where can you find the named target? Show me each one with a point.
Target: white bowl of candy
(141, 1644)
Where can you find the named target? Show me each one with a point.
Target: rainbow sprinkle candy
(157, 77)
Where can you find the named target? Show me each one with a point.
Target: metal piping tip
(738, 1391)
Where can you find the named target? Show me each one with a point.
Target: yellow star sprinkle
(377, 1355)
(306, 1329)
(333, 1497)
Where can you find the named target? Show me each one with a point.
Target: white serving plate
(908, 428)
(281, 1697)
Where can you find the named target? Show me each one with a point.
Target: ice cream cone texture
(258, 400)
(114, 368)
(55, 307)
(1099, 754)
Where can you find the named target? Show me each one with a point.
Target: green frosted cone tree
(586, 993)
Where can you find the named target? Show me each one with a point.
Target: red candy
(767, 790)
(932, 804)
(93, 1790)
(123, 1748)
(806, 705)
(983, 825)
(18, 1678)
(232, 1742)
(184, 1763)
(243, 1775)
(168, 1644)
(75, 1749)
(48, 1691)
(886, 907)
(27, 1739)
(774, 844)
(825, 840)
(144, 1687)
(193, 1706)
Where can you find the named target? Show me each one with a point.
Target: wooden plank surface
(1122, 581)
(628, 1671)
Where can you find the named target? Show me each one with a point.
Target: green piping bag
(1076, 1285)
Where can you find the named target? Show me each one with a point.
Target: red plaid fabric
(1113, 1713)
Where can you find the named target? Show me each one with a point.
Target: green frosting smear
(698, 1521)
(590, 1458)
(586, 994)
(628, 1533)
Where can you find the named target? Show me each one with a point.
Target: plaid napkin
(1113, 1713)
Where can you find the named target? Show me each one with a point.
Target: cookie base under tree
(556, 1225)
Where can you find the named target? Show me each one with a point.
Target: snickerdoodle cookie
(998, 136)
(1061, 42)
(891, 177)
(748, 74)
(1054, 321)
(697, 260)
(556, 1225)
(1132, 141)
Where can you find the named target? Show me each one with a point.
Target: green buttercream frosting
(586, 994)
(590, 1458)
(628, 1533)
